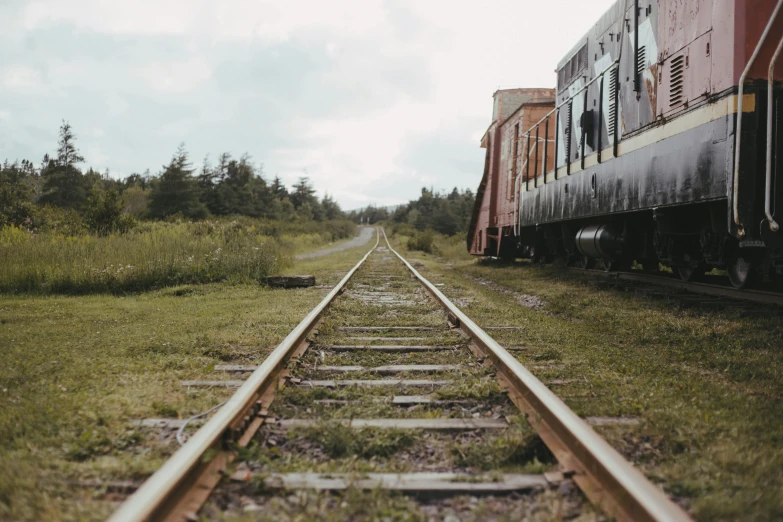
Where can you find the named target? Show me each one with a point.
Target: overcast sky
(371, 99)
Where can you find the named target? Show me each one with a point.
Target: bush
(423, 241)
(104, 214)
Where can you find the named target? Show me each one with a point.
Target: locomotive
(657, 148)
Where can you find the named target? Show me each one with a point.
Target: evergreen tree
(177, 190)
(63, 183)
(278, 189)
(67, 153)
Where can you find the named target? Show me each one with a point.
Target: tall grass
(153, 256)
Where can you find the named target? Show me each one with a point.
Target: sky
(370, 99)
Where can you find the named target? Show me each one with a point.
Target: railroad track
(714, 289)
(388, 376)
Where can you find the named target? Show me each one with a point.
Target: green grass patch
(76, 371)
(707, 387)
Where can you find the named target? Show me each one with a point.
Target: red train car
(494, 215)
(666, 132)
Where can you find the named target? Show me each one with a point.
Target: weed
(339, 440)
(514, 448)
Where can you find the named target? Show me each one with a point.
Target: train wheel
(586, 262)
(742, 270)
(689, 273)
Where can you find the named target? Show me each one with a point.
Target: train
(657, 148)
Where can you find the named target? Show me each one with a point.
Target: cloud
(369, 98)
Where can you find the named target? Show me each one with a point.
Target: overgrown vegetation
(154, 255)
(339, 440)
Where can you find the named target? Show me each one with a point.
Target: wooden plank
(392, 369)
(385, 348)
(415, 483)
(409, 400)
(394, 328)
(403, 424)
(612, 421)
(381, 382)
(298, 281)
(399, 400)
(396, 339)
(203, 384)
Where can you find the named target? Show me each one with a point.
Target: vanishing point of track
(184, 483)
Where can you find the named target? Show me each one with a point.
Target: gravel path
(364, 237)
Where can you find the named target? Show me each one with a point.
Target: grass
(707, 387)
(153, 255)
(77, 370)
(341, 441)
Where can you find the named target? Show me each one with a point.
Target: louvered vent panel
(676, 81)
(612, 100)
(641, 62)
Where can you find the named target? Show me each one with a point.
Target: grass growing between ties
(707, 387)
(76, 371)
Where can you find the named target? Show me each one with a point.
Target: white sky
(371, 99)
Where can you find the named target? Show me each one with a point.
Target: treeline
(59, 193)
(446, 213)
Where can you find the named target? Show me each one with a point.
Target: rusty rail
(168, 494)
(600, 471)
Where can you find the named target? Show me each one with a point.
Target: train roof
(610, 16)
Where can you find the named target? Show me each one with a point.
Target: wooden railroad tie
(420, 484)
(398, 424)
(391, 369)
(298, 281)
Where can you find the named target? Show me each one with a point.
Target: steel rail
(756, 296)
(601, 472)
(161, 492)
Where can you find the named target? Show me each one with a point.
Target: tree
(278, 189)
(67, 153)
(330, 208)
(177, 190)
(15, 205)
(303, 193)
(63, 184)
(135, 201)
(104, 214)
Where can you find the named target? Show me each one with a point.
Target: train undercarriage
(691, 240)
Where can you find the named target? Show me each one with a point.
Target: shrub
(423, 241)
(104, 214)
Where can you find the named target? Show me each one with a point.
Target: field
(77, 370)
(82, 361)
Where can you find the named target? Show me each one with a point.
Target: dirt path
(364, 237)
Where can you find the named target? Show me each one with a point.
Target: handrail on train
(773, 225)
(738, 132)
(615, 63)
